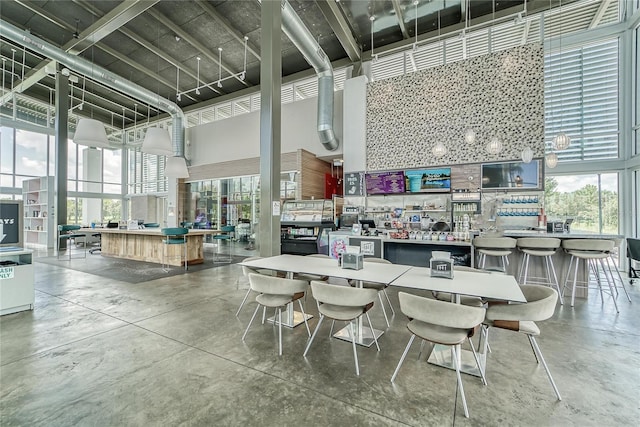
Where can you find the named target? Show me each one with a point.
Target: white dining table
(372, 272)
(496, 286)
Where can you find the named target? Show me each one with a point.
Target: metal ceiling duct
(99, 74)
(298, 33)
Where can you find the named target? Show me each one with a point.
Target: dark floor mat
(128, 270)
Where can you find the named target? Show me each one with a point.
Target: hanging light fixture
(91, 132)
(439, 150)
(562, 140)
(527, 154)
(157, 141)
(470, 136)
(494, 146)
(176, 167)
(551, 160)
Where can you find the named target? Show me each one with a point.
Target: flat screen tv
(511, 175)
(384, 183)
(429, 180)
(11, 223)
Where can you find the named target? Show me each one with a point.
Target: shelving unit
(39, 221)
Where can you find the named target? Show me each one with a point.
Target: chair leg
(304, 317)
(280, 331)
(612, 285)
(243, 301)
(386, 295)
(460, 386)
(353, 343)
(555, 278)
(375, 339)
(575, 279)
(421, 348)
(404, 354)
(624, 288)
(333, 322)
(264, 313)
(594, 267)
(525, 262)
(250, 322)
(534, 344)
(315, 331)
(475, 356)
(566, 277)
(383, 309)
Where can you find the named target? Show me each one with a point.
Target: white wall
(238, 137)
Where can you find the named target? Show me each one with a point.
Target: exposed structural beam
(120, 15)
(224, 22)
(341, 28)
(600, 13)
(204, 50)
(400, 18)
(147, 45)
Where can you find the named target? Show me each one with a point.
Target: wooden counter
(146, 245)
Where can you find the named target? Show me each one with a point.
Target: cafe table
(495, 286)
(372, 272)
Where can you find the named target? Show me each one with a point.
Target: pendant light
(91, 132)
(157, 141)
(176, 167)
(470, 136)
(494, 146)
(439, 150)
(551, 160)
(562, 140)
(527, 154)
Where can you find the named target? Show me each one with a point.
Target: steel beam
(599, 14)
(400, 18)
(341, 28)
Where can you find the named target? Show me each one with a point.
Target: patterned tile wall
(501, 94)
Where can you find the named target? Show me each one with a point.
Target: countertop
(577, 235)
(416, 241)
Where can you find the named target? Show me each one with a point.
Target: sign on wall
(354, 184)
(10, 223)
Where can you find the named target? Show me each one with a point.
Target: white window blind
(581, 100)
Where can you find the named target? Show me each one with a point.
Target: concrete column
(92, 175)
(270, 128)
(355, 124)
(62, 134)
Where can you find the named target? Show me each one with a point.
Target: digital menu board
(384, 182)
(429, 180)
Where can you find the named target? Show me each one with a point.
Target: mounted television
(429, 180)
(511, 175)
(11, 215)
(384, 183)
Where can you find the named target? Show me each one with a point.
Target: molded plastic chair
(342, 303)
(380, 287)
(540, 305)
(66, 233)
(245, 273)
(225, 235)
(500, 247)
(593, 252)
(541, 247)
(186, 224)
(444, 323)
(276, 292)
(173, 236)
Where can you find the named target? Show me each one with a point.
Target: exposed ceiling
(156, 44)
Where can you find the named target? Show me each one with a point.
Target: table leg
(364, 335)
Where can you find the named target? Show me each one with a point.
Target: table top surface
(372, 272)
(146, 231)
(479, 284)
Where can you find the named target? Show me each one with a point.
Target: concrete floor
(169, 352)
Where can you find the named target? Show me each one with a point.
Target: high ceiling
(156, 44)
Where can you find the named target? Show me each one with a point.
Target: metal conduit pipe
(99, 74)
(300, 36)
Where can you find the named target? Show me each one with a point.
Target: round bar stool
(500, 247)
(544, 248)
(593, 252)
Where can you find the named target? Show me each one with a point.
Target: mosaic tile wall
(500, 94)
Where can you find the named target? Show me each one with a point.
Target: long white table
(372, 272)
(486, 285)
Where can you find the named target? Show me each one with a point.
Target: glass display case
(302, 223)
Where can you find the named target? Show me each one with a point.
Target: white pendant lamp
(470, 136)
(494, 146)
(527, 155)
(561, 141)
(91, 132)
(551, 160)
(439, 150)
(157, 141)
(176, 167)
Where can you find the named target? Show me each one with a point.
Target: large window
(146, 173)
(581, 100)
(590, 200)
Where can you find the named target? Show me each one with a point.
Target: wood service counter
(146, 245)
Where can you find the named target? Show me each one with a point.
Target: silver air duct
(301, 37)
(99, 74)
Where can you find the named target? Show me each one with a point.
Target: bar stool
(174, 236)
(545, 248)
(593, 252)
(500, 247)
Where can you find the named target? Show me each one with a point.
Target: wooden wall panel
(312, 175)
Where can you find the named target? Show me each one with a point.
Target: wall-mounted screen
(429, 180)
(512, 175)
(10, 223)
(384, 183)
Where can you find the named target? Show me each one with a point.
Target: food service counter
(146, 245)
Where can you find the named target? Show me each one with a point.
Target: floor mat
(127, 270)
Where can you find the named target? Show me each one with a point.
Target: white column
(355, 124)
(92, 175)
